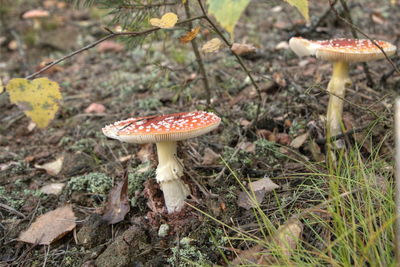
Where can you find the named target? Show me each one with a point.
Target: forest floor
(160, 76)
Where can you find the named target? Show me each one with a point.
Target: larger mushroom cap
(171, 127)
(348, 50)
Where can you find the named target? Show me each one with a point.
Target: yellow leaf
(39, 99)
(168, 20)
(211, 46)
(227, 12)
(1, 87)
(302, 6)
(189, 36)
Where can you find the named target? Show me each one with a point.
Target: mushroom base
(175, 193)
(337, 89)
(168, 174)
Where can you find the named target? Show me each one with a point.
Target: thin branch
(138, 6)
(363, 34)
(198, 57)
(111, 35)
(355, 35)
(240, 61)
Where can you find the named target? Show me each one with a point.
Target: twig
(365, 35)
(240, 61)
(111, 35)
(198, 57)
(346, 9)
(148, 6)
(12, 210)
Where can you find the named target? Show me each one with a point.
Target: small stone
(163, 230)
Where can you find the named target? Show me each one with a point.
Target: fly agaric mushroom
(165, 131)
(36, 15)
(341, 52)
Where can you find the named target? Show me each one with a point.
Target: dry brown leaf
(95, 108)
(299, 140)
(279, 79)
(110, 46)
(257, 193)
(210, 157)
(50, 226)
(168, 20)
(52, 168)
(243, 49)
(146, 153)
(211, 46)
(265, 184)
(54, 188)
(189, 36)
(288, 236)
(118, 203)
(247, 146)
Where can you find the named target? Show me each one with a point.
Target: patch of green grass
(347, 212)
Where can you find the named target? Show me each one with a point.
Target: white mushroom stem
(168, 173)
(337, 89)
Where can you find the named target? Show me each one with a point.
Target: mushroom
(36, 15)
(341, 52)
(165, 131)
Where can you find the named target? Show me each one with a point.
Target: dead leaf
(110, 46)
(288, 236)
(211, 46)
(95, 108)
(247, 146)
(265, 184)
(283, 139)
(279, 79)
(52, 168)
(189, 36)
(378, 18)
(50, 226)
(299, 140)
(118, 203)
(146, 153)
(124, 158)
(282, 46)
(167, 21)
(31, 126)
(53, 189)
(257, 193)
(51, 70)
(210, 156)
(243, 49)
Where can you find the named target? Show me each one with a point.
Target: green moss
(186, 255)
(95, 182)
(238, 160)
(148, 103)
(137, 177)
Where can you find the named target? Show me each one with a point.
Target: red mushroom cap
(348, 50)
(171, 127)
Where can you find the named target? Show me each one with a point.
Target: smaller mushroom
(36, 15)
(341, 52)
(165, 131)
